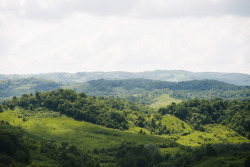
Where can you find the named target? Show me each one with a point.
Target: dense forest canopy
(143, 91)
(234, 114)
(146, 91)
(109, 112)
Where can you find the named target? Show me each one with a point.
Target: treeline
(145, 91)
(108, 112)
(149, 155)
(17, 148)
(149, 97)
(198, 112)
(241, 95)
(149, 85)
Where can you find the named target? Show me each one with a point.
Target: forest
(65, 128)
(142, 91)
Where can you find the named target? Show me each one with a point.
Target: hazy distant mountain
(17, 87)
(164, 75)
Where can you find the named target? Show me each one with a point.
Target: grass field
(65, 129)
(163, 101)
(212, 134)
(51, 126)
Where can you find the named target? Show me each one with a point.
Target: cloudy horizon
(44, 36)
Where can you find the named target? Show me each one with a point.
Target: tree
(1, 108)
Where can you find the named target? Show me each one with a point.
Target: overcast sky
(41, 36)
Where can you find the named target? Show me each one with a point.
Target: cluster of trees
(16, 147)
(12, 149)
(108, 112)
(197, 112)
(68, 155)
(241, 95)
(116, 113)
(149, 155)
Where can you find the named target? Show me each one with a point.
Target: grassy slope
(163, 101)
(65, 129)
(213, 134)
(51, 126)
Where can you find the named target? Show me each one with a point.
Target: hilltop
(163, 75)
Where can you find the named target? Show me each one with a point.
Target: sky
(43, 36)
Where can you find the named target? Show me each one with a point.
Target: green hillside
(163, 101)
(142, 91)
(63, 128)
(49, 128)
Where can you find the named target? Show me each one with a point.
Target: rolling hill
(63, 128)
(17, 87)
(164, 75)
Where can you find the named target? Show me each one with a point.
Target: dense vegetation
(142, 91)
(108, 112)
(17, 148)
(146, 92)
(39, 130)
(234, 114)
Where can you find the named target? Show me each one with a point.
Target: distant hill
(17, 87)
(199, 85)
(146, 91)
(164, 75)
(130, 89)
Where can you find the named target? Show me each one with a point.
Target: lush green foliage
(234, 114)
(16, 146)
(133, 155)
(12, 149)
(108, 112)
(133, 135)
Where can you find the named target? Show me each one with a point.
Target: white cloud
(71, 36)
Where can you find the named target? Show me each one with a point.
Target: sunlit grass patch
(163, 101)
(212, 134)
(83, 134)
(175, 125)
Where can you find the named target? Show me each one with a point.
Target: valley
(130, 122)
